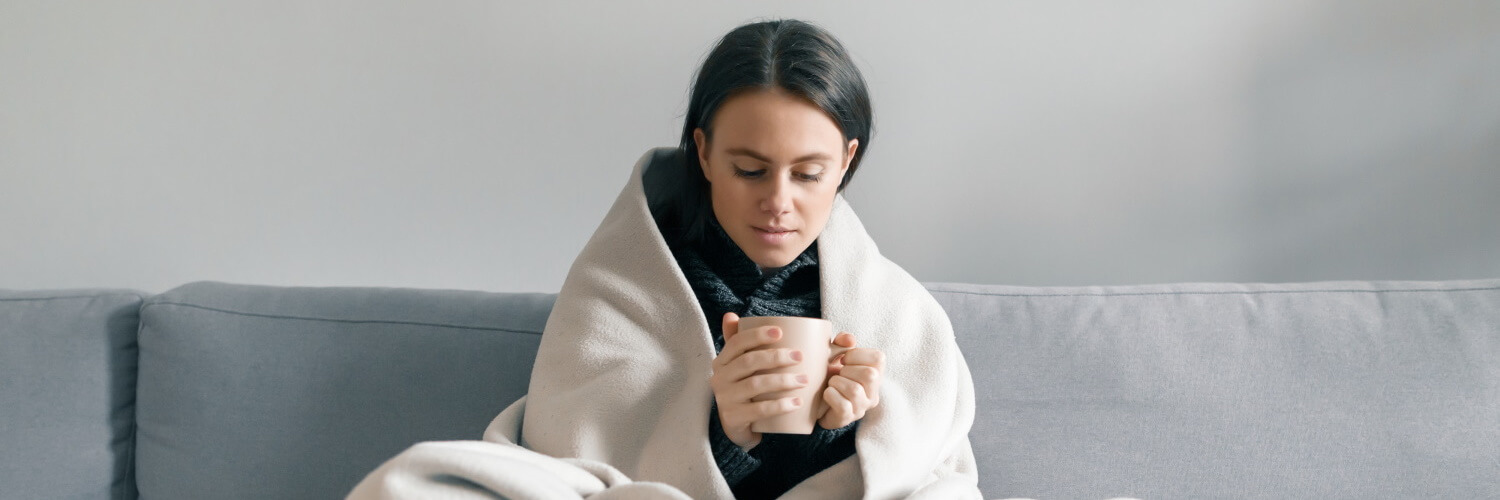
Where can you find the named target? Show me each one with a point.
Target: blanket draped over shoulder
(619, 396)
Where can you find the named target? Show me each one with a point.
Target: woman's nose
(779, 199)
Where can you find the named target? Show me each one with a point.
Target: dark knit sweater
(724, 280)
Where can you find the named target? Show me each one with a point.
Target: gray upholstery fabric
(283, 392)
(67, 390)
(1315, 390)
(1310, 390)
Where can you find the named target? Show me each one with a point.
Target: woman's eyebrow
(753, 154)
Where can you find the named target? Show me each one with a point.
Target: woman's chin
(778, 258)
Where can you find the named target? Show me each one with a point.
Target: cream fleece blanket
(620, 388)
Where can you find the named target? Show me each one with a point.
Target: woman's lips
(773, 237)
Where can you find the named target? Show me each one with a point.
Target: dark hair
(795, 56)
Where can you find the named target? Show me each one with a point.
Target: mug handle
(834, 351)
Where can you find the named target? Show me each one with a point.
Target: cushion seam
(340, 320)
(1240, 292)
(18, 299)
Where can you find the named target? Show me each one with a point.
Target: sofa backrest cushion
(67, 390)
(1313, 390)
(251, 391)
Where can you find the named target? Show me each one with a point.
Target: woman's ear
(848, 157)
(701, 141)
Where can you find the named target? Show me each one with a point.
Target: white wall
(476, 145)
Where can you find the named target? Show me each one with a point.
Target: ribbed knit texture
(724, 280)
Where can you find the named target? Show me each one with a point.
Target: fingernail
(796, 355)
(796, 401)
(775, 332)
(802, 379)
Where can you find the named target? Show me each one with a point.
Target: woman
(645, 386)
(774, 130)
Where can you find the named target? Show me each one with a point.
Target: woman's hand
(736, 380)
(853, 383)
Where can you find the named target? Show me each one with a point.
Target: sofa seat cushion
(251, 391)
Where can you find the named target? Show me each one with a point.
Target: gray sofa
(1310, 390)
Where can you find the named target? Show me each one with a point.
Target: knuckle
(748, 361)
(859, 393)
(842, 401)
(773, 358)
(837, 382)
(765, 383)
(855, 357)
(831, 396)
(860, 398)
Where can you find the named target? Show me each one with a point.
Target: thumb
(844, 339)
(731, 325)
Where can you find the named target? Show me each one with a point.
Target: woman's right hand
(737, 380)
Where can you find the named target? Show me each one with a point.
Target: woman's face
(773, 167)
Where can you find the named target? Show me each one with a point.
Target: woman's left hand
(853, 383)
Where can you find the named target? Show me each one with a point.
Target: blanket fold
(618, 401)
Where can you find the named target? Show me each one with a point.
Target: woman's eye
(756, 174)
